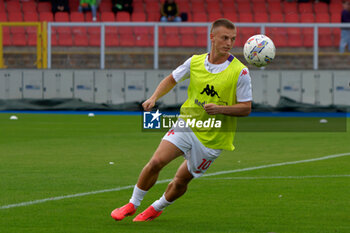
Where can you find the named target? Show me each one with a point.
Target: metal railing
(156, 26)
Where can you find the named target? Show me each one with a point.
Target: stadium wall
(120, 87)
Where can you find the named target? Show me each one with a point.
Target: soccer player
(220, 87)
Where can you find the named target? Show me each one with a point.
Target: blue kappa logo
(151, 120)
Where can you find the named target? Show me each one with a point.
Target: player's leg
(176, 188)
(165, 153)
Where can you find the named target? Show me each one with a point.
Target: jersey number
(204, 165)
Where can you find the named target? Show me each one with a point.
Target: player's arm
(243, 95)
(163, 88)
(239, 109)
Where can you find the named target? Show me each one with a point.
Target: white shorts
(198, 157)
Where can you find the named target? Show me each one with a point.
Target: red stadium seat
(29, 6)
(63, 17)
(292, 18)
(138, 17)
(184, 6)
(45, 16)
(290, 7)
(88, 17)
(308, 38)
(322, 18)
(123, 17)
(275, 7)
(335, 18)
(81, 39)
(105, 6)
(44, 7)
(65, 39)
(138, 7)
(78, 17)
(229, 7)
(31, 38)
(259, 7)
(231, 16)
(152, 6)
(307, 18)
(261, 17)
(171, 31)
(214, 16)
(321, 7)
(213, 7)
(276, 17)
(112, 40)
(305, 8)
(3, 17)
(153, 16)
(2, 7)
(94, 40)
(245, 17)
(172, 41)
(244, 7)
(31, 17)
(197, 7)
(200, 17)
(335, 7)
(19, 39)
(127, 40)
(6, 38)
(107, 17)
(280, 40)
(15, 17)
(188, 40)
(186, 30)
(13, 6)
(143, 40)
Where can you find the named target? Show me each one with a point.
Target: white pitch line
(168, 180)
(274, 177)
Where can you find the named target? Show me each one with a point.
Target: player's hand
(211, 109)
(148, 105)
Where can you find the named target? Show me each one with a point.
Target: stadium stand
(196, 10)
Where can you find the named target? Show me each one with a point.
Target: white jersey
(244, 87)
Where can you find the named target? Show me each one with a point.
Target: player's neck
(215, 58)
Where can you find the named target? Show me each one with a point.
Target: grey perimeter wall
(123, 86)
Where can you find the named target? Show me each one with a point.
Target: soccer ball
(259, 50)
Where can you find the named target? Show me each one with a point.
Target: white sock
(160, 204)
(137, 196)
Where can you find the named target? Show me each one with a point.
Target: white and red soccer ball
(259, 50)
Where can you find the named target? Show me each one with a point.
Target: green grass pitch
(46, 156)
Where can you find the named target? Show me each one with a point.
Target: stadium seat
(78, 17)
(111, 40)
(186, 30)
(292, 18)
(138, 7)
(244, 7)
(290, 7)
(336, 36)
(188, 40)
(31, 38)
(31, 17)
(197, 7)
(6, 39)
(239, 42)
(200, 17)
(94, 40)
(125, 30)
(3, 17)
(335, 7)
(275, 7)
(65, 39)
(88, 17)
(213, 7)
(29, 7)
(63, 17)
(172, 41)
(321, 7)
(19, 39)
(15, 17)
(142, 37)
(305, 8)
(153, 16)
(107, 17)
(212, 16)
(229, 7)
(308, 33)
(231, 16)
(105, 6)
(259, 7)
(45, 16)
(335, 18)
(123, 17)
(81, 39)
(261, 17)
(184, 6)
(13, 6)
(245, 17)
(152, 7)
(171, 31)
(276, 17)
(44, 7)
(280, 40)
(2, 7)
(54, 39)
(138, 17)
(127, 40)
(201, 39)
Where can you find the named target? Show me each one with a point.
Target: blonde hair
(222, 22)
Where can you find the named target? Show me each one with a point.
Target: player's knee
(179, 183)
(155, 165)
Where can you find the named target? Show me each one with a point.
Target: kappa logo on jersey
(151, 120)
(210, 91)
